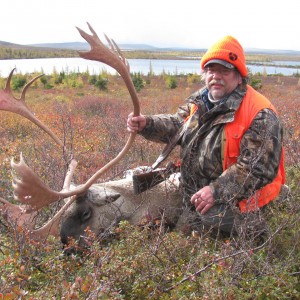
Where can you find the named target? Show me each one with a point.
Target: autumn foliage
(138, 262)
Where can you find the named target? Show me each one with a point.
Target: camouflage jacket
(201, 144)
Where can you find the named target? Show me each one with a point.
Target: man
(232, 157)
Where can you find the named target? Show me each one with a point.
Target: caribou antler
(9, 103)
(29, 189)
(113, 57)
(18, 217)
(51, 227)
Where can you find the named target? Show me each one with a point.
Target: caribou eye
(111, 197)
(86, 214)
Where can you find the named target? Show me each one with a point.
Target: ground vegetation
(148, 261)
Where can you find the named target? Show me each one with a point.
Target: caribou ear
(101, 196)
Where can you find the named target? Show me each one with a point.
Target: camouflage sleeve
(161, 128)
(258, 162)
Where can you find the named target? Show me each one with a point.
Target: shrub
(101, 83)
(92, 79)
(48, 86)
(139, 262)
(254, 81)
(137, 81)
(193, 78)
(18, 81)
(171, 82)
(44, 80)
(58, 80)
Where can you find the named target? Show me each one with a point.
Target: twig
(243, 251)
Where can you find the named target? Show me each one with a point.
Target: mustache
(214, 81)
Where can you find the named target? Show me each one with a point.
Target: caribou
(106, 204)
(93, 205)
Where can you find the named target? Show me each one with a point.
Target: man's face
(220, 80)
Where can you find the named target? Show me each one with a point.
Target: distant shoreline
(261, 61)
(142, 66)
(14, 51)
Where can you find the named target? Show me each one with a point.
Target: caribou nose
(64, 240)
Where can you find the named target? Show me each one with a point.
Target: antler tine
(22, 98)
(93, 32)
(89, 38)
(121, 56)
(112, 47)
(31, 190)
(51, 227)
(99, 52)
(18, 105)
(7, 86)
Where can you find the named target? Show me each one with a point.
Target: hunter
(231, 139)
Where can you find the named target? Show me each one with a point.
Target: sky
(161, 23)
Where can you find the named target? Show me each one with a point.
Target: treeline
(20, 52)
(7, 52)
(26, 52)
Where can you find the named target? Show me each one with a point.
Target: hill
(10, 50)
(141, 47)
(16, 51)
(85, 46)
(145, 47)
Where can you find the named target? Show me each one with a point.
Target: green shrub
(193, 78)
(92, 79)
(18, 81)
(101, 83)
(137, 81)
(58, 80)
(43, 80)
(48, 86)
(171, 82)
(254, 81)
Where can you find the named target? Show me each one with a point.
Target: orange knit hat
(228, 49)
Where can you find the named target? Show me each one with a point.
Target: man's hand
(135, 124)
(203, 200)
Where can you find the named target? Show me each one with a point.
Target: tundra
(93, 205)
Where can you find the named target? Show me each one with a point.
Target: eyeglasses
(221, 71)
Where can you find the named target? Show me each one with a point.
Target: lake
(184, 66)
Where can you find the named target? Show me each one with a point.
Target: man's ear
(240, 79)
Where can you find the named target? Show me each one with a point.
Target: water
(185, 66)
(284, 63)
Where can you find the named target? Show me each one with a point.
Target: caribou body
(105, 204)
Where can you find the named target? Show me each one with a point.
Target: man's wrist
(218, 199)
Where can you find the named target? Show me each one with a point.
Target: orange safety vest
(252, 103)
